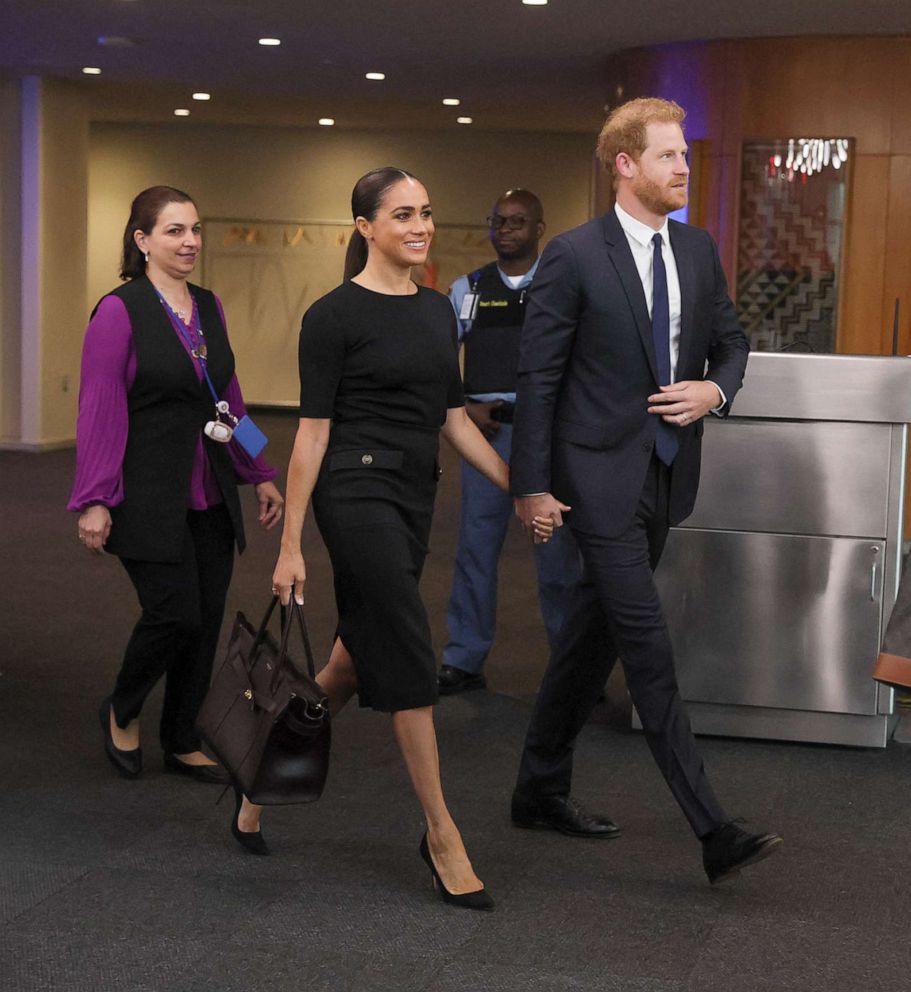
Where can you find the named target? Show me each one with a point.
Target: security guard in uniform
(490, 305)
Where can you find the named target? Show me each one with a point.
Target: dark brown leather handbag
(266, 720)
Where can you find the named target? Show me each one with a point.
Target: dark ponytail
(366, 199)
(144, 213)
(356, 255)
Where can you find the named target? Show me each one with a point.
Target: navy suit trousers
(615, 611)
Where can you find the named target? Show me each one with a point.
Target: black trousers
(615, 611)
(183, 604)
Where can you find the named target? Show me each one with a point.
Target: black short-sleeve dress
(385, 370)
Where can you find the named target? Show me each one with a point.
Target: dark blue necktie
(666, 443)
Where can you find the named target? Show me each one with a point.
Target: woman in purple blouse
(156, 484)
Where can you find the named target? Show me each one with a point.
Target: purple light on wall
(682, 80)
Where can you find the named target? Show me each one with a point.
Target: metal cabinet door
(774, 620)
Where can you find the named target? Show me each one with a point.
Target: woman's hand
(290, 574)
(270, 504)
(94, 527)
(542, 529)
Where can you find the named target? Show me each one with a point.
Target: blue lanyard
(197, 349)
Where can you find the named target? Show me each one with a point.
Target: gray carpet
(113, 885)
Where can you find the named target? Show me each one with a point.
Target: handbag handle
(287, 618)
(287, 621)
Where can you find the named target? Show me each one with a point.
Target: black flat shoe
(563, 814)
(128, 763)
(729, 848)
(252, 843)
(212, 774)
(452, 680)
(479, 899)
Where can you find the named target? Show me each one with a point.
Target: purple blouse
(108, 372)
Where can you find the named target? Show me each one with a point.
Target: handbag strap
(294, 609)
(287, 619)
(261, 632)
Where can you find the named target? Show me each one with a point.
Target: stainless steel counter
(778, 587)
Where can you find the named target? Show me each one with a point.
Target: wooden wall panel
(860, 319)
(899, 70)
(818, 86)
(755, 89)
(897, 255)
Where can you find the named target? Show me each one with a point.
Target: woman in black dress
(379, 382)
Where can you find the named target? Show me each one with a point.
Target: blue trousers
(485, 515)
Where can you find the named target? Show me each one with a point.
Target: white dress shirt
(639, 236)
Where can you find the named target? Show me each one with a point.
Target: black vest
(492, 344)
(168, 407)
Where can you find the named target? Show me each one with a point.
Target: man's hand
(480, 414)
(543, 506)
(684, 402)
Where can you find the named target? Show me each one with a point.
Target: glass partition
(792, 210)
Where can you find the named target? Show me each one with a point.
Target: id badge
(469, 308)
(249, 437)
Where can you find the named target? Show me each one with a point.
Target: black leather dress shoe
(212, 774)
(730, 848)
(561, 813)
(452, 680)
(128, 763)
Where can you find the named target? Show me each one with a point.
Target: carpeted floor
(115, 886)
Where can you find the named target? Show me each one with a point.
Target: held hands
(290, 574)
(480, 414)
(94, 527)
(685, 402)
(271, 504)
(540, 514)
(543, 529)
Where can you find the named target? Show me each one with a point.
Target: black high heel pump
(479, 899)
(253, 843)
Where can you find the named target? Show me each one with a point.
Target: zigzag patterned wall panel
(789, 247)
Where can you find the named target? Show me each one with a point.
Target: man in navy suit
(629, 341)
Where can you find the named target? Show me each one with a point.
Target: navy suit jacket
(587, 367)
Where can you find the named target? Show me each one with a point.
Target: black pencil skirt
(373, 504)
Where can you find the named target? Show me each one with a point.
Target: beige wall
(62, 221)
(64, 217)
(307, 174)
(43, 210)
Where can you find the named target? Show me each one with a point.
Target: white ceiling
(513, 66)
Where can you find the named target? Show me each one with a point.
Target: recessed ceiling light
(202, 96)
(451, 101)
(115, 41)
(375, 75)
(91, 70)
(270, 41)
(326, 121)
(535, 3)
(181, 112)
(464, 120)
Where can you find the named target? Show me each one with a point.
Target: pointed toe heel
(479, 899)
(252, 843)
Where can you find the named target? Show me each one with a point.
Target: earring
(146, 256)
